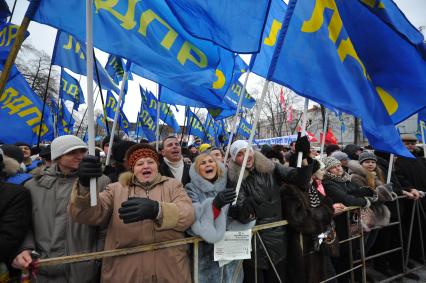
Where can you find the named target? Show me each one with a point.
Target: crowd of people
(146, 197)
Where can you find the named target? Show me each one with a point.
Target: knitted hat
(119, 149)
(236, 147)
(366, 155)
(138, 151)
(204, 147)
(351, 150)
(340, 155)
(330, 162)
(65, 144)
(13, 151)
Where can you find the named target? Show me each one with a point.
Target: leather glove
(138, 209)
(247, 211)
(90, 167)
(224, 197)
(303, 145)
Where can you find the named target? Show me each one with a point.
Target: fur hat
(366, 155)
(236, 147)
(65, 144)
(340, 155)
(330, 162)
(13, 151)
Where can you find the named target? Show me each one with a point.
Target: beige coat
(164, 265)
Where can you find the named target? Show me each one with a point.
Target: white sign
(235, 245)
(286, 140)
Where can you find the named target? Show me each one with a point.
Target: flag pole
(305, 114)
(100, 89)
(32, 9)
(391, 158)
(13, 11)
(90, 105)
(184, 125)
(137, 127)
(250, 141)
(84, 114)
(157, 127)
(323, 131)
(44, 105)
(234, 121)
(117, 112)
(422, 129)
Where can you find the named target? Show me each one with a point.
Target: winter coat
(15, 219)
(411, 172)
(55, 234)
(202, 193)
(263, 183)
(165, 171)
(13, 171)
(163, 265)
(383, 164)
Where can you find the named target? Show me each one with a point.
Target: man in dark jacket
(172, 164)
(260, 199)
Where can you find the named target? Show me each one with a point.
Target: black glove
(138, 209)
(90, 167)
(224, 197)
(303, 145)
(247, 211)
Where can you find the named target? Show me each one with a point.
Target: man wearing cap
(54, 234)
(260, 199)
(172, 164)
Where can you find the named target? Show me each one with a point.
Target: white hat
(65, 144)
(236, 147)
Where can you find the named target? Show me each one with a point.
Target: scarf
(176, 168)
(147, 186)
(340, 179)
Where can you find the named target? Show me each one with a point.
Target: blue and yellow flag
(65, 121)
(111, 108)
(194, 126)
(8, 34)
(71, 54)
(166, 114)
(222, 133)
(69, 89)
(210, 127)
(244, 129)
(145, 123)
(4, 11)
(148, 34)
(235, 25)
(100, 121)
(20, 112)
(338, 53)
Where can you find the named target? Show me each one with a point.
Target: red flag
(282, 99)
(290, 114)
(329, 137)
(312, 137)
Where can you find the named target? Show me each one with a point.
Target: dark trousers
(264, 275)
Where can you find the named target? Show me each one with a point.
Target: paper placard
(235, 245)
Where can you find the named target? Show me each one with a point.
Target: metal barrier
(354, 264)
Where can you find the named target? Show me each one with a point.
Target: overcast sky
(43, 37)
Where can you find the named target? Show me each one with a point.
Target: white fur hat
(236, 147)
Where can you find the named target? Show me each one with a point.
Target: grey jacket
(55, 234)
(202, 193)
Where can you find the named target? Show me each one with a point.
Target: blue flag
(70, 89)
(355, 70)
(244, 129)
(20, 112)
(211, 131)
(111, 106)
(4, 10)
(71, 54)
(260, 62)
(222, 133)
(233, 96)
(8, 34)
(65, 121)
(166, 114)
(115, 68)
(235, 25)
(146, 33)
(100, 121)
(194, 126)
(146, 124)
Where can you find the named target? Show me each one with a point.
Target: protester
(118, 165)
(172, 164)
(204, 147)
(353, 151)
(144, 207)
(45, 156)
(211, 200)
(30, 164)
(13, 166)
(193, 152)
(105, 142)
(330, 148)
(343, 158)
(54, 234)
(260, 199)
(217, 154)
(15, 219)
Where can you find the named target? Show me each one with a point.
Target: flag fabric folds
(8, 34)
(244, 129)
(65, 121)
(146, 125)
(71, 54)
(344, 62)
(148, 34)
(69, 89)
(166, 114)
(4, 10)
(110, 108)
(235, 25)
(211, 131)
(329, 137)
(194, 126)
(21, 111)
(100, 121)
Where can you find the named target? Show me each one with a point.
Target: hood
(206, 186)
(11, 166)
(261, 165)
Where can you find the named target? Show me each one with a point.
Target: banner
(69, 89)
(285, 140)
(20, 113)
